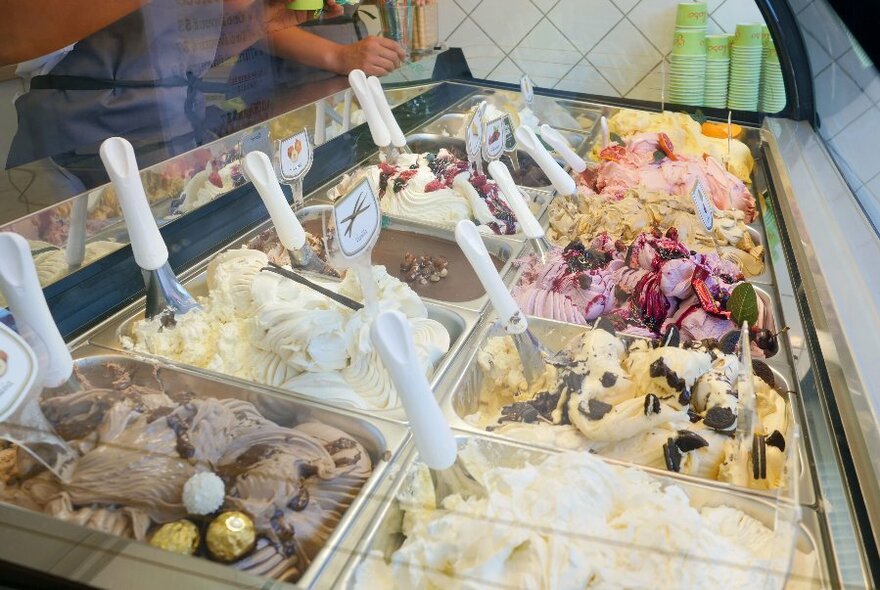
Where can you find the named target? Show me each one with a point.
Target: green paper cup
(306, 5)
(691, 14)
(748, 35)
(717, 47)
(685, 42)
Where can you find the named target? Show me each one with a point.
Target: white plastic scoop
(290, 232)
(398, 139)
(562, 182)
(392, 337)
(38, 358)
(512, 320)
(518, 203)
(558, 143)
(378, 129)
(164, 291)
(75, 251)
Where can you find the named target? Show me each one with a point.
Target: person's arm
(33, 28)
(376, 56)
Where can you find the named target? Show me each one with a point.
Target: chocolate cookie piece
(672, 455)
(720, 418)
(652, 404)
(687, 441)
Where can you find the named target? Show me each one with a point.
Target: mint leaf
(615, 138)
(743, 305)
(659, 155)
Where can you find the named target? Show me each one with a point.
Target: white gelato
(265, 328)
(570, 520)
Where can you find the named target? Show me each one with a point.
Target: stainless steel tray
(103, 560)
(459, 322)
(383, 534)
(460, 396)
(503, 248)
(586, 114)
(452, 124)
(764, 292)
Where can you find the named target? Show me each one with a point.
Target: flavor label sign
(493, 146)
(295, 156)
(703, 205)
(509, 137)
(357, 220)
(527, 88)
(18, 371)
(474, 132)
(256, 140)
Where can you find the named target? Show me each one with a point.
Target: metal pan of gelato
(423, 256)
(250, 483)
(673, 408)
(259, 327)
(523, 518)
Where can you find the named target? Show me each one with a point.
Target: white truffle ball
(203, 493)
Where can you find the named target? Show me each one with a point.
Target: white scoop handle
(150, 251)
(378, 129)
(398, 139)
(555, 139)
(320, 123)
(392, 337)
(468, 238)
(259, 169)
(20, 286)
(562, 182)
(346, 110)
(606, 136)
(530, 226)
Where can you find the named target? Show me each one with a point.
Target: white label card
(18, 371)
(474, 132)
(527, 88)
(493, 146)
(295, 156)
(256, 141)
(703, 205)
(357, 220)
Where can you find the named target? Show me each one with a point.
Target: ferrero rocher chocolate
(230, 536)
(180, 536)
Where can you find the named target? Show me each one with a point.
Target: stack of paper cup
(745, 68)
(717, 70)
(772, 84)
(687, 63)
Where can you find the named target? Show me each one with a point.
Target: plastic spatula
(512, 320)
(38, 358)
(164, 291)
(527, 221)
(558, 143)
(290, 232)
(562, 182)
(398, 139)
(378, 129)
(392, 337)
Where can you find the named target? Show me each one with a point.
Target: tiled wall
(607, 47)
(847, 91)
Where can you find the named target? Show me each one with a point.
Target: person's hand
(376, 56)
(332, 9)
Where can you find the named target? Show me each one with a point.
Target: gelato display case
(697, 266)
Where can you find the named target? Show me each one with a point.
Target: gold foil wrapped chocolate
(180, 536)
(230, 536)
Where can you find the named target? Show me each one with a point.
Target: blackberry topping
(652, 404)
(687, 441)
(584, 281)
(670, 253)
(579, 257)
